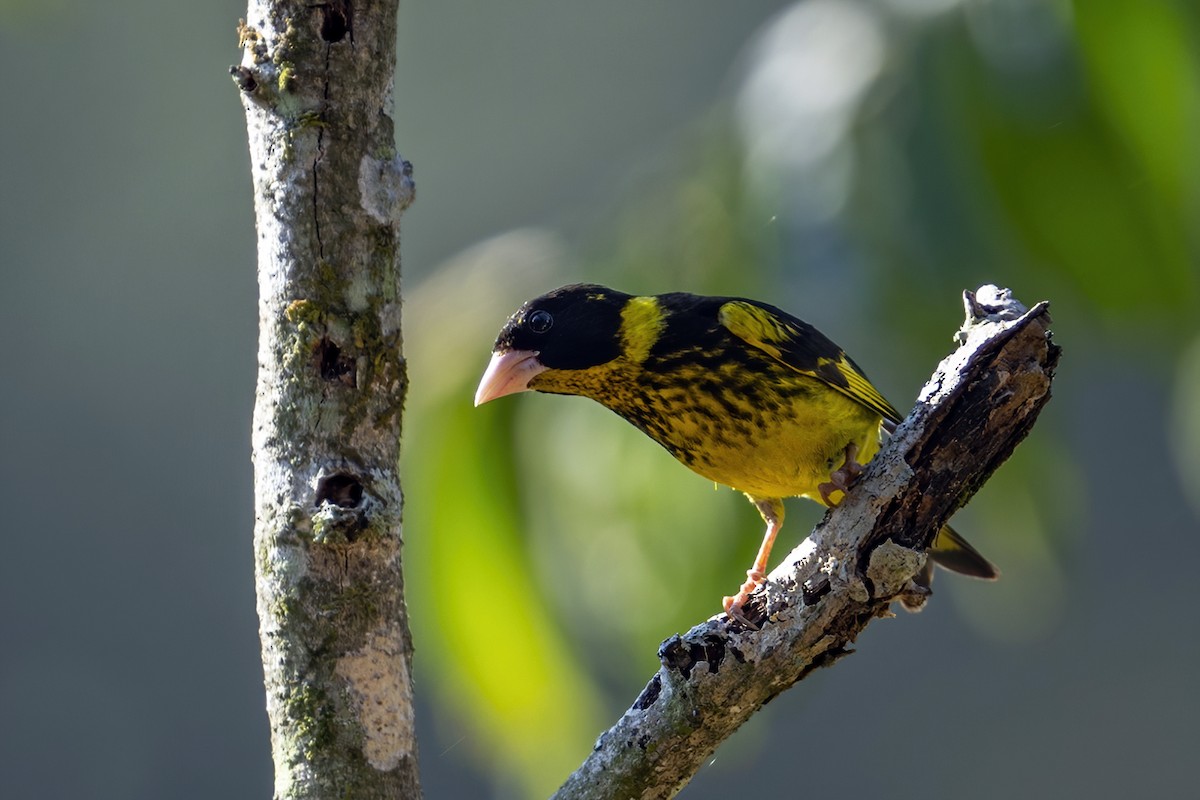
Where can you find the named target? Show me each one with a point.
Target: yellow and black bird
(739, 391)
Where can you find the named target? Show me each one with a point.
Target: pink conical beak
(508, 373)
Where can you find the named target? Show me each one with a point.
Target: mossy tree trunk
(329, 188)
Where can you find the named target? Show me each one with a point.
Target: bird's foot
(734, 605)
(843, 477)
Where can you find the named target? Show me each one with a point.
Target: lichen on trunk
(329, 189)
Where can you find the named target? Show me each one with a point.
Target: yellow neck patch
(642, 321)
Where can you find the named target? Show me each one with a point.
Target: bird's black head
(574, 327)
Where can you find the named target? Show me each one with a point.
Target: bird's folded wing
(803, 348)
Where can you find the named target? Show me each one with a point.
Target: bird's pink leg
(772, 513)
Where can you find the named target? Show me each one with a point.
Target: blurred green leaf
(619, 525)
(485, 628)
(1142, 62)
(1077, 198)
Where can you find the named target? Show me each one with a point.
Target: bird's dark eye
(539, 321)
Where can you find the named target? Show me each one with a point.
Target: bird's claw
(734, 605)
(843, 477)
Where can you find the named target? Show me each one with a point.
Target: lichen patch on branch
(377, 678)
(385, 186)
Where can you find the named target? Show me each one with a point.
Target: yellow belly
(782, 454)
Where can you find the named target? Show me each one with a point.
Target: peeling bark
(329, 189)
(865, 554)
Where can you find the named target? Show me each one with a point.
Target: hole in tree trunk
(341, 490)
(332, 364)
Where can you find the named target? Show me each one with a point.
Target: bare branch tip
(994, 304)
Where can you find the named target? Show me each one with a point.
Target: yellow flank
(784, 447)
(641, 324)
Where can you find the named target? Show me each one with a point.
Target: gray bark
(865, 554)
(329, 188)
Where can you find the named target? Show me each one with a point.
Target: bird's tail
(952, 552)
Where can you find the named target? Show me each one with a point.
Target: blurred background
(858, 163)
